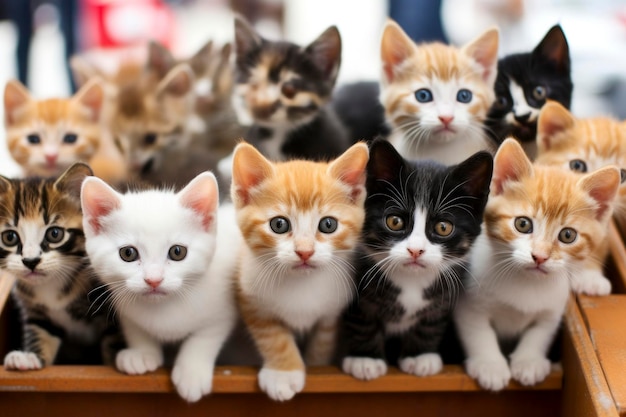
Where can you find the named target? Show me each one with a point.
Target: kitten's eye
(129, 254)
(567, 235)
(539, 93)
(523, 225)
(444, 228)
(501, 103)
(623, 175)
(288, 90)
(394, 223)
(33, 139)
(54, 234)
(423, 95)
(70, 138)
(177, 253)
(464, 96)
(150, 139)
(578, 165)
(280, 225)
(10, 238)
(328, 225)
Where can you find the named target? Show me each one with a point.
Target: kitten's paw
(590, 282)
(22, 361)
(422, 365)
(281, 385)
(491, 374)
(530, 370)
(137, 362)
(364, 368)
(192, 382)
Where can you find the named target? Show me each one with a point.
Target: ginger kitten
(300, 221)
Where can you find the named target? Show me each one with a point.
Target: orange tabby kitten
(436, 96)
(301, 221)
(47, 136)
(584, 145)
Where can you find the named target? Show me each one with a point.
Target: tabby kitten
(436, 96)
(421, 220)
(45, 137)
(42, 245)
(585, 145)
(525, 81)
(541, 224)
(300, 221)
(169, 270)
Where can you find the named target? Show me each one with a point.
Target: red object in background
(122, 23)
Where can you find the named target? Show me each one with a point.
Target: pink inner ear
(98, 200)
(201, 196)
(203, 208)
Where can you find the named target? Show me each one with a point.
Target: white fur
(422, 365)
(281, 385)
(198, 309)
(364, 368)
(22, 361)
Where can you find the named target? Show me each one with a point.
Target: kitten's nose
(305, 255)
(415, 253)
(51, 158)
(153, 282)
(522, 118)
(539, 259)
(446, 120)
(31, 263)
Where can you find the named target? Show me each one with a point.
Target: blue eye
(423, 95)
(464, 96)
(70, 138)
(33, 139)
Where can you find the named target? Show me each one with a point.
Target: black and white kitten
(525, 81)
(421, 218)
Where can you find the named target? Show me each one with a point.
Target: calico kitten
(169, 268)
(421, 220)
(45, 137)
(585, 145)
(525, 81)
(42, 245)
(282, 92)
(541, 224)
(436, 96)
(300, 221)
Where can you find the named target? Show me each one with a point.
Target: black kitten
(421, 219)
(525, 81)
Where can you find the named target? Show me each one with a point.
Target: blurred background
(38, 36)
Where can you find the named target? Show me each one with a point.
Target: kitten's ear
(509, 165)
(5, 184)
(553, 119)
(178, 82)
(223, 77)
(250, 168)
(484, 50)
(475, 175)
(602, 185)
(201, 59)
(395, 48)
(385, 163)
(201, 195)
(246, 40)
(160, 59)
(553, 48)
(97, 200)
(325, 52)
(71, 180)
(16, 97)
(90, 98)
(350, 169)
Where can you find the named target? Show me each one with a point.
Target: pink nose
(153, 282)
(415, 253)
(51, 159)
(446, 120)
(539, 259)
(305, 255)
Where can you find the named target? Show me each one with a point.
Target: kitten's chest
(410, 302)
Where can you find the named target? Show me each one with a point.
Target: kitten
(436, 96)
(585, 145)
(282, 91)
(42, 245)
(46, 136)
(525, 81)
(421, 220)
(168, 266)
(541, 223)
(300, 221)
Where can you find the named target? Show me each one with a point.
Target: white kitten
(169, 268)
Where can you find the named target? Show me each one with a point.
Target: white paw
(364, 368)
(590, 282)
(530, 370)
(137, 362)
(422, 365)
(22, 361)
(281, 385)
(192, 382)
(491, 374)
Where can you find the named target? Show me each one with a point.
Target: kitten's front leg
(419, 348)
(529, 364)
(39, 349)
(143, 354)
(323, 342)
(365, 337)
(590, 281)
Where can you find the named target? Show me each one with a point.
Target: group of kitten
(351, 227)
